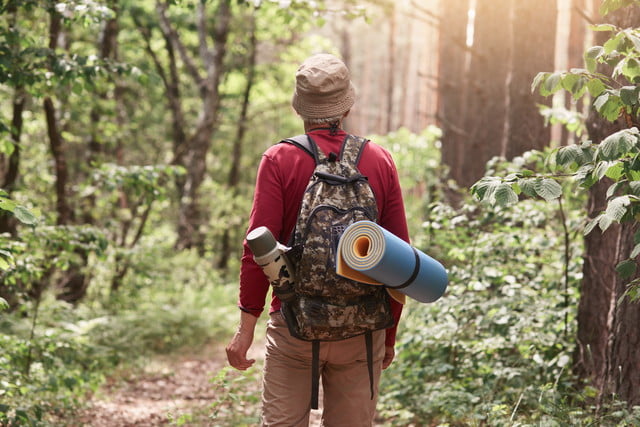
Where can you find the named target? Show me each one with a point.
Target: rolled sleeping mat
(370, 254)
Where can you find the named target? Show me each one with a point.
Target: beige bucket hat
(323, 88)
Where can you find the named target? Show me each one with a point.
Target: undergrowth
(496, 349)
(48, 366)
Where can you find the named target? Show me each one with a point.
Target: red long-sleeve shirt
(283, 175)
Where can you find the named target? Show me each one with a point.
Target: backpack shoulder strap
(352, 148)
(305, 143)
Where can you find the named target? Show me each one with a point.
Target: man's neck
(308, 127)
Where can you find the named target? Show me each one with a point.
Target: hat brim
(321, 109)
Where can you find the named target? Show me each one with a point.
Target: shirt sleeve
(393, 218)
(267, 210)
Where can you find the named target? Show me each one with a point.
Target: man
(323, 97)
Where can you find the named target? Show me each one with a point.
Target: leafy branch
(616, 157)
(21, 213)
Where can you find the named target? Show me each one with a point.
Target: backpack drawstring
(368, 336)
(315, 373)
(315, 368)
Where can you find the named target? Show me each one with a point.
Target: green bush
(502, 329)
(497, 348)
(163, 307)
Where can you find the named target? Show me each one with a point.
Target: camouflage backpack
(326, 306)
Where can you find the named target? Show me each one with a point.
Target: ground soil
(168, 390)
(163, 390)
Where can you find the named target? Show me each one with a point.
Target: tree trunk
(107, 46)
(453, 87)
(234, 172)
(597, 288)
(608, 334)
(623, 377)
(487, 92)
(607, 337)
(11, 166)
(171, 81)
(579, 18)
(391, 72)
(191, 218)
(408, 101)
(345, 52)
(56, 142)
(533, 28)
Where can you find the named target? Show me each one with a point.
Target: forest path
(168, 390)
(183, 389)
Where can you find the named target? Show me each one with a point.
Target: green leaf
(613, 188)
(591, 58)
(7, 147)
(629, 94)
(601, 101)
(4, 305)
(548, 189)
(631, 69)
(552, 83)
(604, 27)
(613, 43)
(635, 252)
(617, 207)
(569, 81)
(504, 195)
(601, 169)
(25, 216)
(608, 106)
(528, 187)
(632, 292)
(605, 222)
(592, 224)
(616, 171)
(584, 172)
(635, 40)
(633, 171)
(539, 78)
(568, 155)
(616, 144)
(609, 6)
(7, 204)
(626, 268)
(485, 187)
(596, 87)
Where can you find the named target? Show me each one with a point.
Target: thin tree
(452, 82)
(233, 179)
(192, 152)
(532, 26)
(56, 141)
(486, 95)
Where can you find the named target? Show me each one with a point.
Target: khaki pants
(286, 397)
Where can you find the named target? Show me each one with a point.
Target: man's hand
(240, 343)
(389, 354)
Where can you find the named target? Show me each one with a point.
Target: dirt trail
(170, 390)
(168, 387)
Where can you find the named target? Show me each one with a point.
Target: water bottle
(271, 256)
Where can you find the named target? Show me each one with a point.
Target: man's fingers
(238, 359)
(389, 355)
(245, 364)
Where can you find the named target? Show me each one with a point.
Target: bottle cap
(261, 241)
